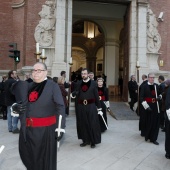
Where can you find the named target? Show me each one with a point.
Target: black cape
(38, 152)
(103, 92)
(152, 118)
(88, 127)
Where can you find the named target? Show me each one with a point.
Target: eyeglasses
(37, 71)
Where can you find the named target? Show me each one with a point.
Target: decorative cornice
(18, 4)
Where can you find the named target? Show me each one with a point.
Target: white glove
(73, 97)
(100, 111)
(61, 130)
(13, 113)
(145, 105)
(168, 113)
(107, 103)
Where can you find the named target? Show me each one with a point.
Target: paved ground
(122, 147)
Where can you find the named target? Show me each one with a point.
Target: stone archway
(88, 36)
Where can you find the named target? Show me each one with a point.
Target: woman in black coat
(103, 97)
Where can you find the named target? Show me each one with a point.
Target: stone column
(133, 39)
(91, 63)
(112, 61)
(142, 36)
(63, 36)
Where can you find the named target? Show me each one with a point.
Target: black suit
(133, 87)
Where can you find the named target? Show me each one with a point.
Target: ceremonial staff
(69, 90)
(138, 66)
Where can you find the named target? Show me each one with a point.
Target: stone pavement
(122, 147)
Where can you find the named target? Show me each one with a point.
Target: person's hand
(159, 98)
(60, 136)
(19, 108)
(149, 109)
(108, 108)
(100, 113)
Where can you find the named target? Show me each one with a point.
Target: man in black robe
(149, 99)
(142, 113)
(161, 86)
(88, 127)
(37, 140)
(133, 91)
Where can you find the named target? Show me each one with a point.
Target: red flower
(33, 96)
(84, 88)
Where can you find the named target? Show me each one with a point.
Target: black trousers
(162, 119)
(132, 102)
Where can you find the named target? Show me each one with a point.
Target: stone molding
(112, 42)
(18, 4)
(44, 31)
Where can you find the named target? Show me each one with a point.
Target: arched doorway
(88, 46)
(106, 52)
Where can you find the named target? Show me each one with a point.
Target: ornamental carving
(44, 31)
(153, 37)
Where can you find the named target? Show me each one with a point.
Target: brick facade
(18, 25)
(163, 28)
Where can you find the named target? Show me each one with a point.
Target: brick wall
(18, 25)
(158, 6)
(5, 34)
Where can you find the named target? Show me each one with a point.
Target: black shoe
(132, 109)
(155, 142)
(167, 156)
(93, 146)
(83, 144)
(15, 131)
(4, 118)
(146, 139)
(10, 130)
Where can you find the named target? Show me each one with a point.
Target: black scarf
(35, 91)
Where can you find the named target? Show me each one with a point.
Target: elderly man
(37, 141)
(149, 99)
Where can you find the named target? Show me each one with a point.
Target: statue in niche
(153, 37)
(44, 30)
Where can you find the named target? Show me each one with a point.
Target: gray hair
(43, 64)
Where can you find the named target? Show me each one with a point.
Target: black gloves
(149, 109)
(59, 137)
(19, 108)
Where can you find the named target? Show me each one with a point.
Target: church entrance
(100, 42)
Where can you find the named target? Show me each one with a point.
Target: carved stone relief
(44, 31)
(153, 37)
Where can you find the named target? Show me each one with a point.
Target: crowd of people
(153, 107)
(39, 101)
